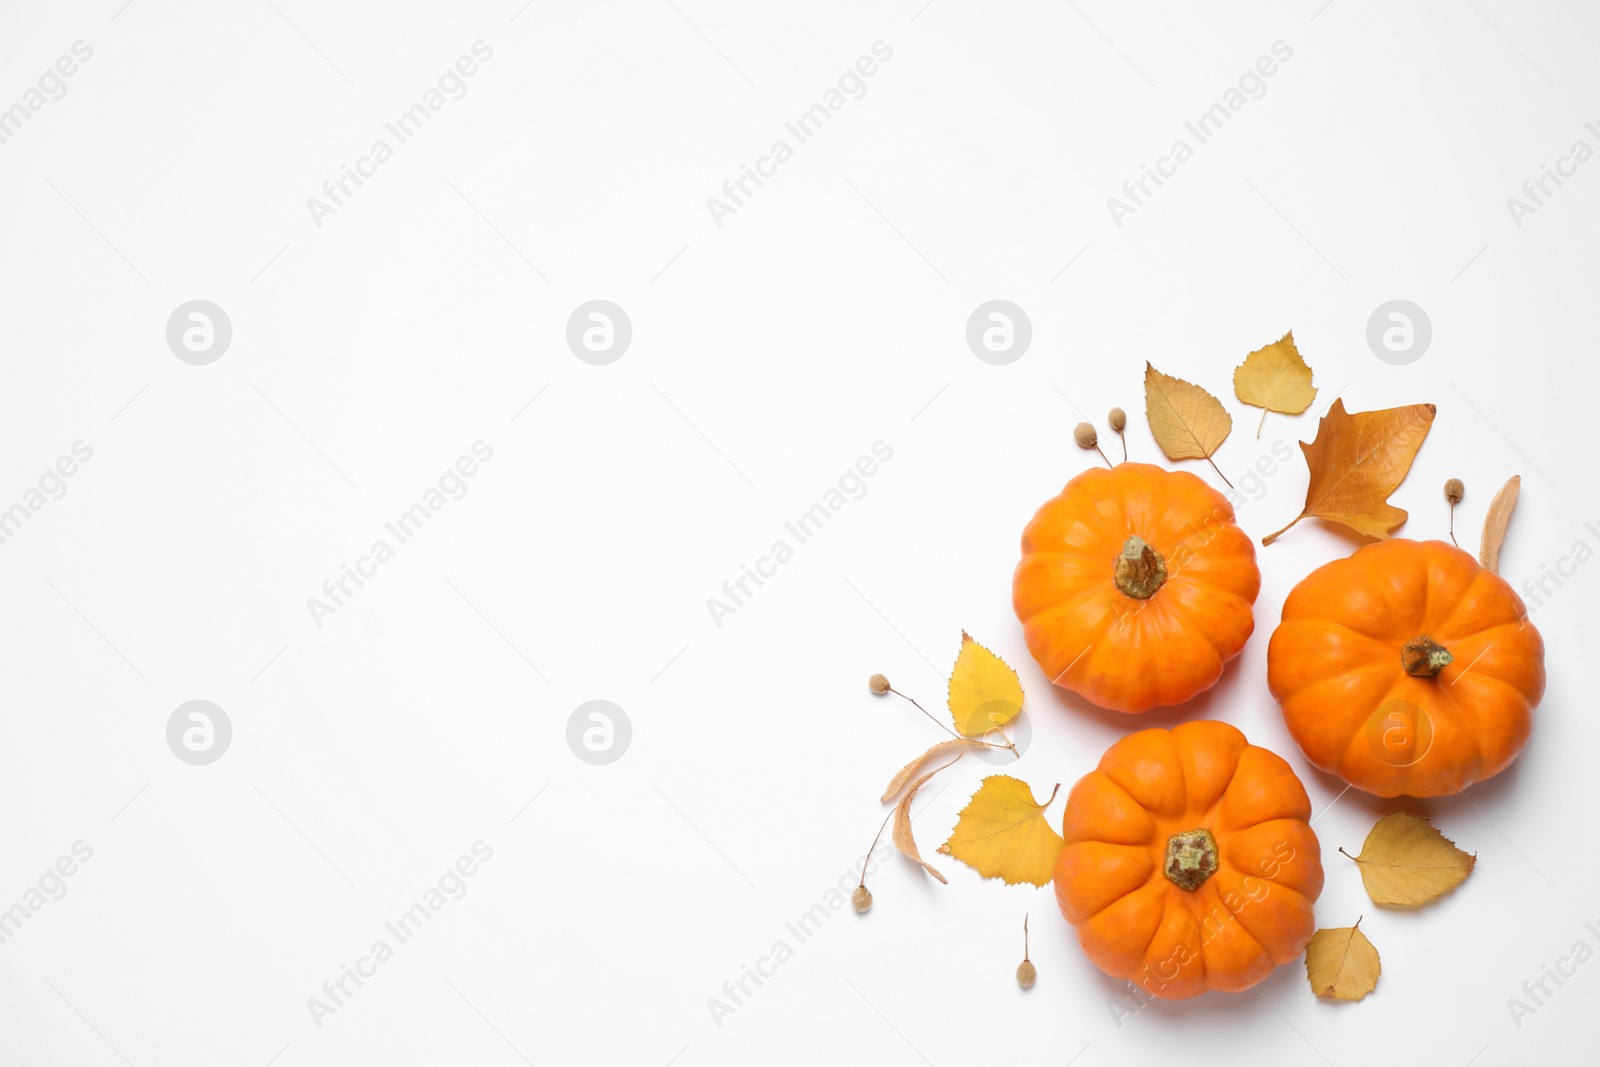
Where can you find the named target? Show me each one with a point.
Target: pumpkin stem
(1140, 570)
(1423, 657)
(1191, 858)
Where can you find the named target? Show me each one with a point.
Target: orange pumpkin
(1135, 586)
(1407, 669)
(1189, 864)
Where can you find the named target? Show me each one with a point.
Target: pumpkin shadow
(1198, 706)
(1345, 795)
(1484, 795)
(1489, 793)
(1349, 537)
(1258, 1001)
(1479, 796)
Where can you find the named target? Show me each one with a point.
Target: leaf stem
(874, 848)
(1262, 423)
(1218, 469)
(1009, 744)
(924, 711)
(1267, 540)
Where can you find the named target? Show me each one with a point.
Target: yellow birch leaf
(898, 782)
(1357, 461)
(1275, 378)
(985, 692)
(1406, 861)
(1002, 833)
(902, 825)
(1342, 964)
(1187, 421)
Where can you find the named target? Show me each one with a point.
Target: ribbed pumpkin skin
(1252, 915)
(1334, 665)
(1121, 652)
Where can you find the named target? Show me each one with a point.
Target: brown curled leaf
(1494, 523)
(902, 825)
(898, 782)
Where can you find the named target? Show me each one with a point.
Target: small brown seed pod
(1453, 492)
(862, 897)
(1084, 434)
(878, 684)
(1026, 972)
(1119, 422)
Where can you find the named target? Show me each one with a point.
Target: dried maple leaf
(1357, 461)
(985, 692)
(1342, 964)
(1275, 378)
(1406, 861)
(1187, 421)
(1002, 833)
(1494, 523)
(902, 825)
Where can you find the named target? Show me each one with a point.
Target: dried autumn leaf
(902, 825)
(1002, 833)
(1275, 378)
(1406, 861)
(1357, 461)
(1494, 523)
(1187, 421)
(898, 782)
(1342, 964)
(985, 692)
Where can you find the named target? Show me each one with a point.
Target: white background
(768, 354)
